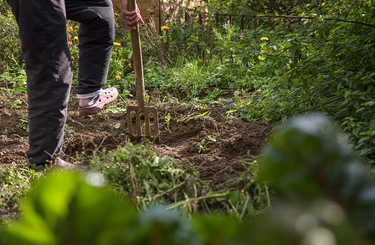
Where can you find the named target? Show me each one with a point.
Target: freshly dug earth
(199, 136)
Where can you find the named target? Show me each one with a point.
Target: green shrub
(11, 61)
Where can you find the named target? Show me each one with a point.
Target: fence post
(255, 23)
(203, 33)
(287, 23)
(242, 24)
(217, 20)
(186, 15)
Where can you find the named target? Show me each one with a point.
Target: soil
(200, 136)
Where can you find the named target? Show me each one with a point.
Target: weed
(213, 95)
(68, 129)
(11, 61)
(17, 80)
(205, 144)
(16, 104)
(192, 116)
(230, 115)
(195, 172)
(201, 106)
(115, 109)
(24, 124)
(15, 181)
(149, 179)
(167, 120)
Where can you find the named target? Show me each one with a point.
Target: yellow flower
(130, 65)
(118, 77)
(75, 38)
(165, 28)
(124, 59)
(264, 39)
(10, 15)
(262, 51)
(70, 29)
(116, 44)
(76, 29)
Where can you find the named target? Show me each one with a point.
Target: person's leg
(45, 50)
(96, 35)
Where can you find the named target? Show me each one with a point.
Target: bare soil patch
(184, 136)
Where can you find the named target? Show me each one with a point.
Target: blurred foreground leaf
(64, 209)
(324, 196)
(68, 208)
(309, 159)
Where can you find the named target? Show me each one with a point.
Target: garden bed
(203, 137)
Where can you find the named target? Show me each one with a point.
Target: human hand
(131, 17)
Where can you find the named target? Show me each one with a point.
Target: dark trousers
(43, 34)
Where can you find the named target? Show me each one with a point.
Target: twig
(76, 121)
(170, 190)
(3, 105)
(218, 112)
(122, 98)
(244, 206)
(177, 204)
(226, 168)
(318, 106)
(13, 210)
(134, 183)
(102, 141)
(268, 197)
(297, 17)
(312, 17)
(25, 102)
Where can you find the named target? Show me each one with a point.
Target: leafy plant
(149, 180)
(10, 45)
(15, 180)
(167, 120)
(24, 124)
(16, 79)
(68, 129)
(205, 144)
(16, 104)
(115, 109)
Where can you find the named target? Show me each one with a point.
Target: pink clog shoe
(59, 163)
(98, 102)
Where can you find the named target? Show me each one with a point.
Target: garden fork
(140, 110)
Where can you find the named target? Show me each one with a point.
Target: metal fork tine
(147, 119)
(146, 113)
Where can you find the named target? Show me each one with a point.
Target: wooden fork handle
(137, 58)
